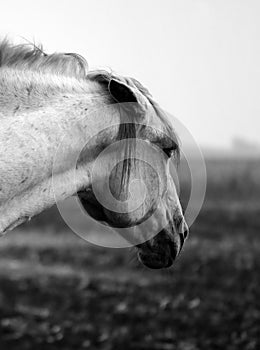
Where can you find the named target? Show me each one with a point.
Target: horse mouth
(161, 251)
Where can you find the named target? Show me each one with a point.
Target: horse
(46, 96)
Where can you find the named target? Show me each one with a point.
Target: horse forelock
(161, 114)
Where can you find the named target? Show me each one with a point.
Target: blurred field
(59, 292)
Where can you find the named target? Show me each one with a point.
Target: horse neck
(36, 118)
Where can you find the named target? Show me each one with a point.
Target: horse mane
(32, 57)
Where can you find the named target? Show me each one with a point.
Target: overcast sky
(199, 58)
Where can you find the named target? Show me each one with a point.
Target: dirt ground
(59, 292)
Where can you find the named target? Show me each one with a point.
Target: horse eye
(168, 151)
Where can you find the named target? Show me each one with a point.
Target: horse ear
(122, 92)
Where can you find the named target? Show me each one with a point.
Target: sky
(200, 59)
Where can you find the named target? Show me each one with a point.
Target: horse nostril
(182, 240)
(183, 235)
(186, 233)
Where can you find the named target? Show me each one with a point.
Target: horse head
(133, 187)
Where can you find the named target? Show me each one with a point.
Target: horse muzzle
(162, 250)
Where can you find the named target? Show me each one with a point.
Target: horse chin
(160, 251)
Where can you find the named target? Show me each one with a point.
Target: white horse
(44, 97)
